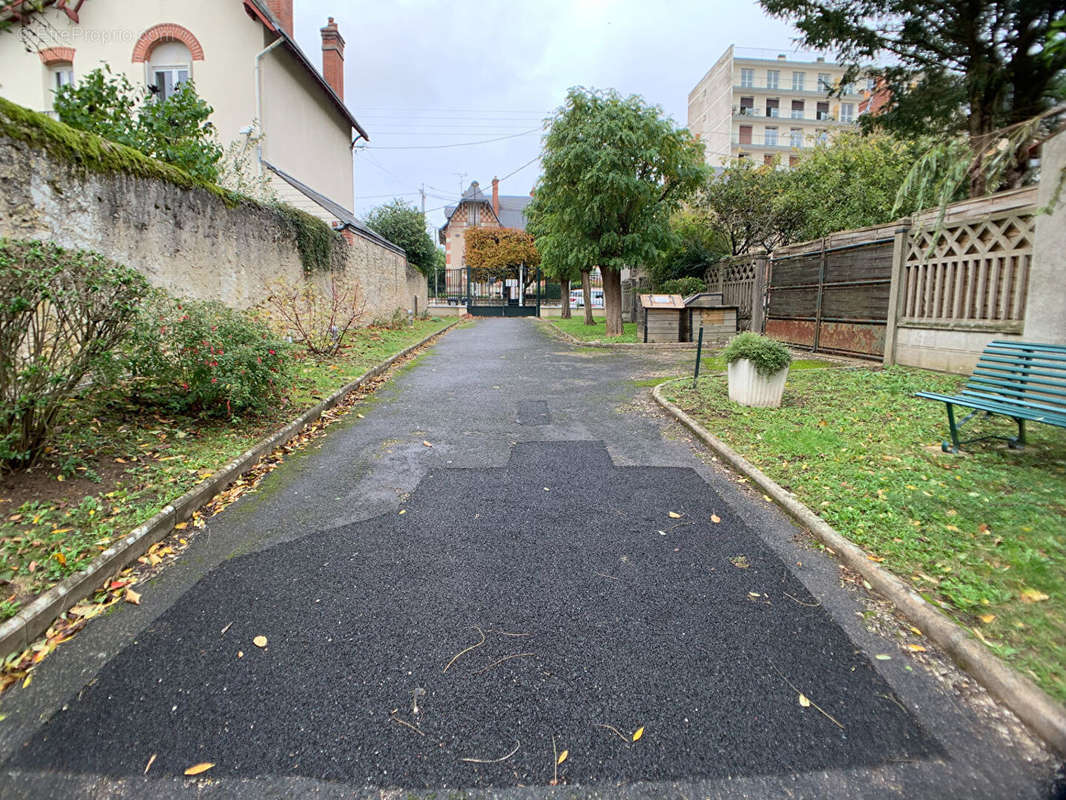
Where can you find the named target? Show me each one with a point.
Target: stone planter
(749, 388)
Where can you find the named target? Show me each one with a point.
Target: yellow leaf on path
(181, 526)
(427, 444)
(25, 683)
(196, 769)
(874, 558)
(562, 756)
(987, 618)
(674, 515)
(61, 530)
(240, 654)
(638, 733)
(403, 510)
(133, 597)
(767, 498)
(804, 701)
(360, 416)
(916, 648)
(150, 762)
(60, 478)
(260, 641)
(1033, 596)
(715, 519)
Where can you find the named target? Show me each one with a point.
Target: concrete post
(895, 290)
(1044, 320)
(758, 295)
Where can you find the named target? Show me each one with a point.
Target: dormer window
(170, 66)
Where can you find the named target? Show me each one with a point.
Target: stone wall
(187, 241)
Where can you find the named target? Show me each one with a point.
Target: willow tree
(614, 170)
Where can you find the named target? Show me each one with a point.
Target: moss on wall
(314, 238)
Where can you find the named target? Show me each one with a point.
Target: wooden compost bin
(705, 308)
(662, 318)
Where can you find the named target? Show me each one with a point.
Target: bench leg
(954, 448)
(1019, 441)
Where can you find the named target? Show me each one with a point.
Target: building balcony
(823, 94)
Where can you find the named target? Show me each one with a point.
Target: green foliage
(968, 68)
(614, 169)
(403, 225)
(696, 244)
(61, 313)
(850, 182)
(683, 286)
(176, 131)
(314, 238)
(768, 355)
(744, 201)
(239, 171)
(200, 355)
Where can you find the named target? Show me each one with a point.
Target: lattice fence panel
(974, 272)
(735, 279)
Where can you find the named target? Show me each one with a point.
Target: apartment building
(761, 108)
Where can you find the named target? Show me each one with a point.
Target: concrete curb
(19, 632)
(1042, 713)
(617, 345)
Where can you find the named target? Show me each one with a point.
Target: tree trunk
(586, 292)
(565, 288)
(612, 299)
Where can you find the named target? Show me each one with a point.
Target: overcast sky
(422, 74)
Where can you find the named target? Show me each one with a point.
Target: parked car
(577, 298)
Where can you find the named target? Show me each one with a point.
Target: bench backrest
(1022, 373)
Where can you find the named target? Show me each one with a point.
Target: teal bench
(1025, 381)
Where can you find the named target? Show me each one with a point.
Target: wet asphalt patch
(544, 601)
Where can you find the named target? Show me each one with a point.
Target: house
(476, 210)
(245, 63)
(762, 108)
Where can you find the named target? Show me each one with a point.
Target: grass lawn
(982, 534)
(113, 465)
(577, 328)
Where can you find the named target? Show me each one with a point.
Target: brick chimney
(282, 9)
(496, 197)
(333, 57)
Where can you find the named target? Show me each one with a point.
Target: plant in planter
(758, 367)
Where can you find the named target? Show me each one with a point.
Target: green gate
(516, 293)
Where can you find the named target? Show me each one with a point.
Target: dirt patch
(42, 483)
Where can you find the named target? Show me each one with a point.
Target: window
(61, 74)
(848, 88)
(168, 68)
(797, 81)
(770, 137)
(797, 109)
(772, 104)
(825, 82)
(847, 112)
(871, 84)
(747, 106)
(795, 138)
(773, 76)
(745, 134)
(747, 77)
(823, 111)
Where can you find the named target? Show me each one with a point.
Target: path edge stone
(1032, 705)
(19, 632)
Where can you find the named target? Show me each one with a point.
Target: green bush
(61, 314)
(768, 355)
(683, 286)
(200, 355)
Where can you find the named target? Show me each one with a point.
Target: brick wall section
(185, 241)
(167, 32)
(57, 55)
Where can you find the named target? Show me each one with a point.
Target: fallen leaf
(875, 558)
(804, 701)
(562, 757)
(62, 559)
(916, 630)
(987, 618)
(260, 641)
(674, 515)
(740, 562)
(715, 519)
(28, 681)
(638, 733)
(1033, 596)
(754, 594)
(181, 526)
(360, 416)
(767, 498)
(427, 444)
(240, 654)
(196, 769)
(150, 762)
(883, 657)
(403, 511)
(133, 597)
(916, 648)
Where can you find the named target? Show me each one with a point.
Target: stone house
(245, 63)
(476, 210)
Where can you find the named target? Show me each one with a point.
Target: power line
(446, 146)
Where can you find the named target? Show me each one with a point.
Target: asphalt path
(507, 559)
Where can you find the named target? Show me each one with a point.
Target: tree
(176, 130)
(403, 225)
(697, 243)
(744, 202)
(552, 263)
(614, 170)
(971, 67)
(861, 174)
